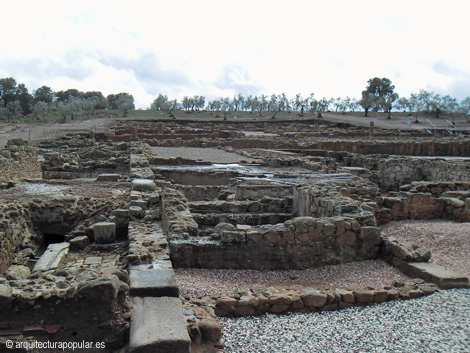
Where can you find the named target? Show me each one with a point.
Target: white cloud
(219, 47)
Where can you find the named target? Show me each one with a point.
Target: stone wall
(70, 216)
(16, 233)
(176, 216)
(18, 161)
(200, 192)
(281, 300)
(415, 147)
(436, 200)
(81, 157)
(299, 243)
(397, 171)
(253, 192)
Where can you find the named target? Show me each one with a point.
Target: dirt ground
(399, 121)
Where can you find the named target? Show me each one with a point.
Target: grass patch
(29, 121)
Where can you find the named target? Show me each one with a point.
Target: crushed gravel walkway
(436, 323)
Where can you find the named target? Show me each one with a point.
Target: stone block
(371, 235)
(224, 227)
(143, 185)
(150, 282)
(104, 232)
(136, 212)
(211, 330)
(233, 237)
(347, 238)
(103, 289)
(17, 272)
(79, 242)
(158, 325)
(364, 296)
(314, 299)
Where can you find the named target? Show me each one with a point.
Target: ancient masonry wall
(426, 200)
(280, 300)
(391, 172)
(299, 243)
(332, 230)
(18, 161)
(81, 157)
(397, 171)
(16, 233)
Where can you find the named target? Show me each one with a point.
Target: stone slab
(52, 257)
(158, 325)
(93, 260)
(108, 177)
(153, 281)
(439, 275)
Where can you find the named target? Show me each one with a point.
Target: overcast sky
(219, 48)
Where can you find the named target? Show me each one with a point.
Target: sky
(223, 47)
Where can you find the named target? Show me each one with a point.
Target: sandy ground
(398, 122)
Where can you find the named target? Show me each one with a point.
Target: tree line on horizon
(379, 96)
(16, 101)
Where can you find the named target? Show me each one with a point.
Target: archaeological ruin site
(145, 236)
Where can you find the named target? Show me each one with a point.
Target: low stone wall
(397, 171)
(18, 161)
(65, 306)
(435, 204)
(281, 300)
(438, 188)
(296, 244)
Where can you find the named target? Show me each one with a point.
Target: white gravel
(436, 323)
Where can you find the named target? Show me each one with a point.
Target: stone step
(153, 280)
(437, 274)
(52, 257)
(158, 325)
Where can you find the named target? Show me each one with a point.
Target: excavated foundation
(91, 230)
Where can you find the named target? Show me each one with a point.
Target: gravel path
(212, 155)
(201, 282)
(437, 323)
(448, 241)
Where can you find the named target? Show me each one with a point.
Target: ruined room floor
(63, 188)
(204, 282)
